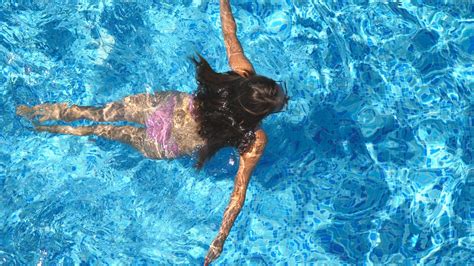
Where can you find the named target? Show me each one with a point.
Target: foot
(25, 111)
(44, 112)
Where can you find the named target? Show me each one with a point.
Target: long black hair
(231, 107)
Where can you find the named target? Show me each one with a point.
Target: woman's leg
(134, 108)
(133, 136)
(61, 111)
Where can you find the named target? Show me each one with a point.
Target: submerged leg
(61, 111)
(134, 136)
(134, 108)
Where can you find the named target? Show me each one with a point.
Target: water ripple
(370, 164)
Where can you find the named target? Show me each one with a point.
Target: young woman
(226, 110)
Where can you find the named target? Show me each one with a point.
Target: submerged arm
(248, 161)
(237, 60)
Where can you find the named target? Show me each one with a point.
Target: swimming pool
(371, 164)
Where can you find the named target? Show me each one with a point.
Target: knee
(70, 113)
(112, 111)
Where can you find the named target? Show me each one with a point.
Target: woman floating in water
(226, 110)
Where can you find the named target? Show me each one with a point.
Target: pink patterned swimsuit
(172, 125)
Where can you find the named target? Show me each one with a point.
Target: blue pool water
(371, 164)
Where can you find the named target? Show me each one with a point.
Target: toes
(23, 110)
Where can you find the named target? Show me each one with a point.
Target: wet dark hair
(231, 107)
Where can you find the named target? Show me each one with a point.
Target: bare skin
(137, 108)
(247, 164)
(235, 54)
(134, 108)
(241, 65)
(126, 134)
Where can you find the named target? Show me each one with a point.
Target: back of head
(231, 107)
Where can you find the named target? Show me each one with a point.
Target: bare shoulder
(258, 145)
(261, 137)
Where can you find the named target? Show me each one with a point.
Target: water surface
(371, 164)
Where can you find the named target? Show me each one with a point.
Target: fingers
(213, 253)
(208, 261)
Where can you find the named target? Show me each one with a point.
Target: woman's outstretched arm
(237, 60)
(248, 161)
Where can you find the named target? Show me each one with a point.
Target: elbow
(239, 204)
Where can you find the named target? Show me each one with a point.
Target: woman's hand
(247, 163)
(237, 59)
(214, 252)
